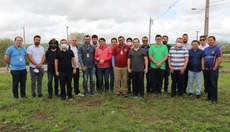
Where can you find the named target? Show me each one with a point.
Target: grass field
(105, 112)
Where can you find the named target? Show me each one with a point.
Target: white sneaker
(80, 95)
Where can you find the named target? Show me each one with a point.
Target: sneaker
(214, 102)
(190, 94)
(141, 97)
(80, 95)
(135, 97)
(86, 95)
(197, 96)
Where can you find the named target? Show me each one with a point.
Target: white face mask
(64, 46)
(179, 44)
(130, 43)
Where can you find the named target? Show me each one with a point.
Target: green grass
(106, 112)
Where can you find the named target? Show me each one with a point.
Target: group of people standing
(120, 67)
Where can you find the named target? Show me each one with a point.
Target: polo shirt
(65, 61)
(177, 57)
(17, 57)
(146, 49)
(211, 56)
(121, 55)
(104, 53)
(195, 59)
(86, 55)
(37, 53)
(137, 63)
(158, 54)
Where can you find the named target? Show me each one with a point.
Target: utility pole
(24, 35)
(67, 32)
(206, 21)
(150, 28)
(197, 34)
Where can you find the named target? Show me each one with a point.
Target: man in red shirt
(120, 53)
(103, 56)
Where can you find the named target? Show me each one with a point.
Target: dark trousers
(185, 79)
(149, 82)
(103, 76)
(19, 76)
(205, 84)
(52, 76)
(76, 81)
(138, 83)
(166, 79)
(211, 81)
(111, 76)
(65, 79)
(97, 79)
(129, 82)
(177, 83)
(157, 80)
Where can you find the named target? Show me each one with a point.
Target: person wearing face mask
(36, 54)
(50, 55)
(167, 70)
(65, 67)
(129, 42)
(178, 61)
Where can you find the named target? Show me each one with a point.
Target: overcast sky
(112, 18)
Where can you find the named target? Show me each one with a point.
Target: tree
(4, 44)
(80, 36)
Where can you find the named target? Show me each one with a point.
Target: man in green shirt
(158, 54)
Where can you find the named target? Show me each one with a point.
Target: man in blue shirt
(195, 65)
(16, 56)
(213, 59)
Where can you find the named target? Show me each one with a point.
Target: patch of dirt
(40, 117)
(11, 128)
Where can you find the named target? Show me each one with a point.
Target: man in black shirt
(63, 68)
(50, 55)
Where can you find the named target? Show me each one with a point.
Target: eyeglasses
(202, 39)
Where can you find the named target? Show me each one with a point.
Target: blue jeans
(91, 73)
(19, 76)
(111, 75)
(103, 74)
(50, 83)
(195, 76)
(36, 78)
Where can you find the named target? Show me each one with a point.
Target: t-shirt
(177, 57)
(17, 57)
(121, 55)
(201, 47)
(211, 56)
(105, 54)
(50, 56)
(137, 61)
(37, 53)
(195, 59)
(158, 54)
(65, 61)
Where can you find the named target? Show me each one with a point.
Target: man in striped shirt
(178, 60)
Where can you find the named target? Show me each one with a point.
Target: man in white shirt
(74, 48)
(203, 43)
(36, 55)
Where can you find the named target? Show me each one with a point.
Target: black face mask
(53, 47)
(165, 42)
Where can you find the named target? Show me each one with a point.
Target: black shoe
(50, 96)
(23, 97)
(63, 98)
(15, 97)
(39, 95)
(34, 95)
(190, 94)
(207, 99)
(197, 96)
